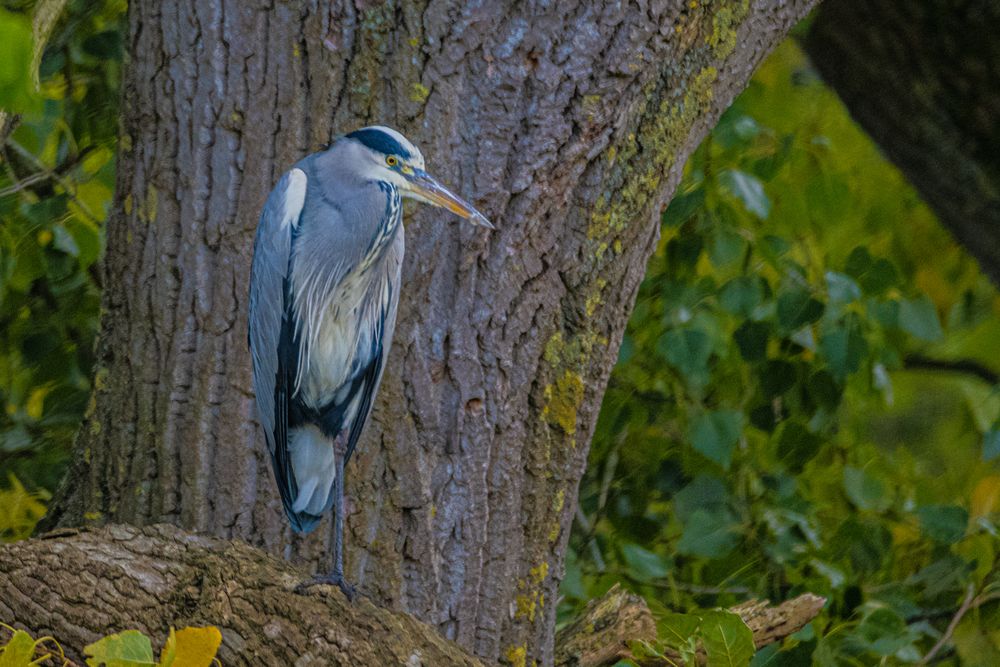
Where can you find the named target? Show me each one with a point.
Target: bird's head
(390, 157)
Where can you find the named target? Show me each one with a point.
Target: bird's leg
(336, 577)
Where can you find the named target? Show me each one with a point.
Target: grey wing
(269, 308)
(366, 383)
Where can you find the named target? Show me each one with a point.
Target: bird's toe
(327, 580)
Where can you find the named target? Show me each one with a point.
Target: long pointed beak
(425, 187)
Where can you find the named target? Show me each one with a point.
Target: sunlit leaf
(127, 649)
(748, 189)
(19, 651)
(727, 640)
(191, 647)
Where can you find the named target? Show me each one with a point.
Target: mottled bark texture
(923, 79)
(567, 123)
(159, 577)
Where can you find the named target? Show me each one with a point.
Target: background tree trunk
(567, 123)
(923, 79)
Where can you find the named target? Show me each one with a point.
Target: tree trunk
(923, 79)
(567, 123)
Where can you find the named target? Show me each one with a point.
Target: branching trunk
(568, 123)
(923, 79)
(76, 585)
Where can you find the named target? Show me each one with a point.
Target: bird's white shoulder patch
(295, 197)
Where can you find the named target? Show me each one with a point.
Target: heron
(324, 288)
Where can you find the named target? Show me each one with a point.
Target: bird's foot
(328, 580)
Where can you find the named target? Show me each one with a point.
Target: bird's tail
(314, 469)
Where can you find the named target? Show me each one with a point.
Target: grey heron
(324, 286)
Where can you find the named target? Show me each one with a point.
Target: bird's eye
(391, 160)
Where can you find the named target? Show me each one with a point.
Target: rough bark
(80, 586)
(600, 637)
(567, 123)
(923, 79)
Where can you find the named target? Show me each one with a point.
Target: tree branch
(600, 636)
(79, 586)
(967, 366)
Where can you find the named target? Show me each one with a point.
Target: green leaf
(748, 189)
(709, 534)
(874, 275)
(19, 651)
(17, 89)
(841, 288)
(883, 631)
(643, 564)
(919, 318)
(751, 339)
(777, 377)
(740, 296)
(945, 524)
(677, 630)
(687, 350)
(796, 308)
(865, 491)
(714, 434)
(797, 445)
(727, 640)
(126, 649)
(682, 207)
(727, 247)
(844, 347)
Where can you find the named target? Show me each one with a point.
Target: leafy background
(806, 397)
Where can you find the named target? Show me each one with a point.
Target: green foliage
(57, 174)
(20, 510)
(761, 435)
(190, 647)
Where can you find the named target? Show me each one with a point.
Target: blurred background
(806, 398)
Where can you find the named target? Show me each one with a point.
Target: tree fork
(569, 128)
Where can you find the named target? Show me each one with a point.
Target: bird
(324, 288)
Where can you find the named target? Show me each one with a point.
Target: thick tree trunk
(923, 79)
(568, 123)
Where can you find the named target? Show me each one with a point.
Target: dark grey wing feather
(270, 329)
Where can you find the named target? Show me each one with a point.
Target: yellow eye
(391, 160)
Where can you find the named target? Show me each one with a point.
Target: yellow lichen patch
(554, 531)
(127, 204)
(553, 349)
(725, 24)
(539, 572)
(516, 656)
(594, 300)
(562, 400)
(559, 501)
(419, 92)
(525, 607)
